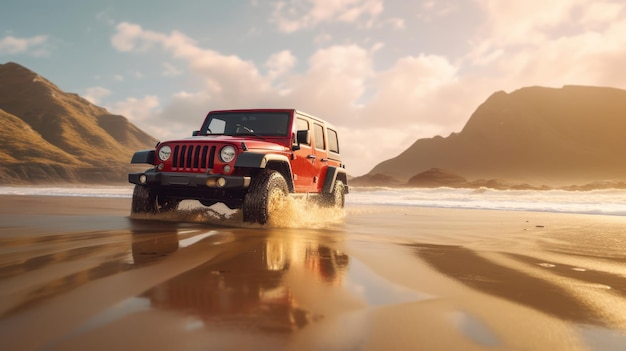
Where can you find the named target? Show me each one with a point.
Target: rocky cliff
(50, 136)
(571, 135)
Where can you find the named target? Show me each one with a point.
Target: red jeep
(246, 159)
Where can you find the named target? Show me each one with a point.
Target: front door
(304, 161)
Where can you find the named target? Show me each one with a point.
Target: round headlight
(227, 153)
(165, 152)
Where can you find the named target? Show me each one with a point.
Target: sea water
(605, 201)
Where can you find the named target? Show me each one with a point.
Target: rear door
(333, 147)
(321, 155)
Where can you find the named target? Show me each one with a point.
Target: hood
(265, 143)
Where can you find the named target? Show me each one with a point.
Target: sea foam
(605, 201)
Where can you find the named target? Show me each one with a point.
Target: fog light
(221, 182)
(210, 182)
(227, 169)
(143, 179)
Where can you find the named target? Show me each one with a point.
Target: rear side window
(318, 134)
(333, 141)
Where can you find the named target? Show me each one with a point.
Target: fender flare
(144, 156)
(279, 163)
(257, 160)
(332, 174)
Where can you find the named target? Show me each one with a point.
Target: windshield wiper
(250, 131)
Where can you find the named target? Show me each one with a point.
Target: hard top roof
(290, 110)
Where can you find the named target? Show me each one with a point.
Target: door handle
(311, 157)
(324, 160)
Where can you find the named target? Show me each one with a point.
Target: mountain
(52, 136)
(436, 177)
(535, 135)
(375, 180)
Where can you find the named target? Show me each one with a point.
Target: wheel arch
(279, 163)
(333, 174)
(143, 156)
(284, 168)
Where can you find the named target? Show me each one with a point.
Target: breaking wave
(301, 213)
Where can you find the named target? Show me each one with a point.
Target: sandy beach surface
(78, 273)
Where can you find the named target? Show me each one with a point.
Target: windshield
(259, 124)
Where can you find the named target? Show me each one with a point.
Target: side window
(302, 124)
(333, 141)
(318, 134)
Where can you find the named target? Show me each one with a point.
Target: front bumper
(191, 180)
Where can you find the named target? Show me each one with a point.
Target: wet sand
(80, 274)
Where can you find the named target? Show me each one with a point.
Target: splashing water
(294, 213)
(303, 213)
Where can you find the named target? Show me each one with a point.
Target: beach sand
(77, 273)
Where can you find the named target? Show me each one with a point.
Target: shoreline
(597, 202)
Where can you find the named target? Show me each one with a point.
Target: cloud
(397, 23)
(280, 63)
(565, 42)
(601, 13)
(33, 45)
(294, 15)
(412, 87)
(430, 10)
(170, 70)
(226, 78)
(138, 110)
(132, 37)
(95, 94)
(126, 36)
(522, 22)
(336, 79)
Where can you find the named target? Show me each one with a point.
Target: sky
(385, 72)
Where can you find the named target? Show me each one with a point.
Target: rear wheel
(336, 198)
(147, 200)
(266, 194)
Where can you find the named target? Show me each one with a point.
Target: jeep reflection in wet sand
(246, 159)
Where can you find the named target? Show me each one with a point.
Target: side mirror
(303, 137)
(195, 133)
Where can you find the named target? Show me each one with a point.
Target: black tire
(336, 198)
(147, 200)
(266, 193)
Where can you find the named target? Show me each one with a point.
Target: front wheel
(266, 194)
(147, 200)
(336, 198)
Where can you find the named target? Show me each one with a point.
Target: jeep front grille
(190, 156)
